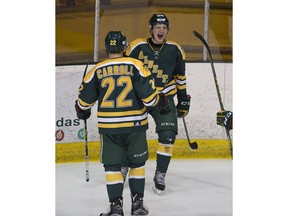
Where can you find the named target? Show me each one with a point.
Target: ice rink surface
(194, 188)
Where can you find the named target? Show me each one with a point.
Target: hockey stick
(85, 135)
(193, 145)
(86, 151)
(216, 84)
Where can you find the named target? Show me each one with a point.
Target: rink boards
(201, 120)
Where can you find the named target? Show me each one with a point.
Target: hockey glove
(82, 114)
(225, 119)
(163, 104)
(183, 106)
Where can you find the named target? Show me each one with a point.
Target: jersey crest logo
(156, 54)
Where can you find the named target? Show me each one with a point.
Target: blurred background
(76, 33)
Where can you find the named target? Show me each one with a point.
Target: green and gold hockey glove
(225, 119)
(183, 106)
(82, 114)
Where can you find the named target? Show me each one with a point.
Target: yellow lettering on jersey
(110, 70)
(131, 71)
(116, 69)
(122, 70)
(164, 78)
(99, 74)
(152, 84)
(150, 64)
(126, 70)
(160, 73)
(121, 100)
(146, 60)
(155, 68)
(104, 72)
(141, 55)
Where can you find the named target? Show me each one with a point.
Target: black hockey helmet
(158, 18)
(115, 42)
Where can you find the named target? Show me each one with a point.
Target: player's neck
(115, 55)
(154, 45)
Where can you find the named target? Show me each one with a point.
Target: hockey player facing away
(166, 60)
(123, 87)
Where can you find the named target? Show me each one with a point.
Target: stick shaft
(86, 151)
(213, 69)
(193, 145)
(185, 127)
(217, 86)
(85, 135)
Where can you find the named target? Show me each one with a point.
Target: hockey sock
(137, 180)
(164, 153)
(162, 163)
(114, 184)
(114, 181)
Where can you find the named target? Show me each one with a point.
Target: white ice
(194, 188)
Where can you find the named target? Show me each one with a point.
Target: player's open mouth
(160, 36)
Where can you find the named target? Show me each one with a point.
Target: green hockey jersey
(123, 88)
(166, 64)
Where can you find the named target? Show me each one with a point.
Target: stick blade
(200, 37)
(196, 33)
(193, 145)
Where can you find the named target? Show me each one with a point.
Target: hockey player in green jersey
(166, 60)
(123, 87)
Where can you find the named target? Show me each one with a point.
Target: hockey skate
(159, 182)
(115, 208)
(138, 207)
(124, 172)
